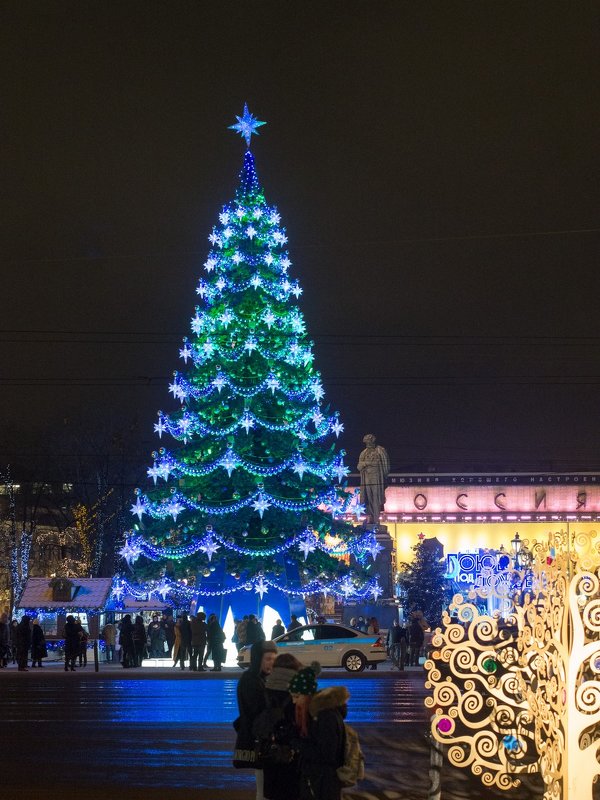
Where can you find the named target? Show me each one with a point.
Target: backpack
(353, 768)
(270, 737)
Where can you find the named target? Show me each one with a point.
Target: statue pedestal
(383, 562)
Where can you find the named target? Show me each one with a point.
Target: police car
(330, 644)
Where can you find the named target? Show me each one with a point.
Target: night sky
(436, 168)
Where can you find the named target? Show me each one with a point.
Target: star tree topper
(246, 125)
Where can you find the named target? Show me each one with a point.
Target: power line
(371, 243)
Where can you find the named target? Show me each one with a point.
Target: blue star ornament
(246, 125)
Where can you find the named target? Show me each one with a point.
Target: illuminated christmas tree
(249, 496)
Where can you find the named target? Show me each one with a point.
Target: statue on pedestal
(374, 467)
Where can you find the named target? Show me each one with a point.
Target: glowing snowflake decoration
(226, 318)
(269, 259)
(341, 471)
(347, 587)
(236, 258)
(185, 353)
(317, 390)
(285, 263)
(159, 427)
(210, 264)
(224, 217)
(273, 383)
(250, 344)
(139, 507)
(299, 467)
(202, 290)
(376, 591)
(337, 427)
(255, 281)
(297, 291)
(209, 547)
(250, 232)
(260, 587)
(221, 283)
(117, 592)
(247, 422)
(275, 218)
(219, 382)
(174, 508)
(261, 504)
(163, 589)
(269, 317)
(228, 232)
(153, 472)
(130, 551)
(307, 545)
(229, 462)
(240, 212)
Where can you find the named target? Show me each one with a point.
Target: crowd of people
(289, 732)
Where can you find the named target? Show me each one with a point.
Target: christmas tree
(250, 497)
(423, 583)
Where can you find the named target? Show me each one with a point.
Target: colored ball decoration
(490, 665)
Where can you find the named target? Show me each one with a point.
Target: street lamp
(516, 547)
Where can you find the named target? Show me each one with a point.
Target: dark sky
(436, 167)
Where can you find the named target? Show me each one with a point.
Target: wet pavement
(167, 733)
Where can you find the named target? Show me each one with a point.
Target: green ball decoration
(490, 665)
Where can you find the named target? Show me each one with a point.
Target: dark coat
(254, 632)
(72, 640)
(251, 697)
(282, 781)
(323, 751)
(23, 636)
(216, 637)
(278, 630)
(38, 643)
(185, 631)
(199, 631)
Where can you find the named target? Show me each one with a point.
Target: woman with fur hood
(320, 719)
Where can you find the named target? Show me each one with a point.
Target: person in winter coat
(252, 699)
(198, 642)
(169, 628)
(126, 641)
(278, 629)
(254, 630)
(23, 643)
(5, 651)
(38, 644)
(281, 780)
(71, 643)
(416, 638)
(185, 638)
(13, 639)
(139, 640)
(158, 637)
(109, 634)
(83, 642)
(322, 736)
(293, 625)
(397, 643)
(215, 637)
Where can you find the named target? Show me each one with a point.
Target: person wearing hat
(251, 699)
(320, 717)
(276, 727)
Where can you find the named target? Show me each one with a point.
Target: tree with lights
(422, 581)
(250, 497)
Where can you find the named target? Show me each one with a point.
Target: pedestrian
(169, 627)
(215, 637)
(397, 642)
(13, 639)
(198, 642)
(254, 631)
(5, 650)
(23, 643)
(276, 724)
(71, 643)
(157, 638)
(83, 643)
(252, 700)
(373, 626)
(109, 634)
(320, 720)
(38, 644)
(292, 627)
(353, 622)
(185, 638)
(362, 625)
(139, 640)
(126, 642)
(416, 639)
(278, 629)
(241, 633)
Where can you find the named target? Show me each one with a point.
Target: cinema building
(471, 514)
